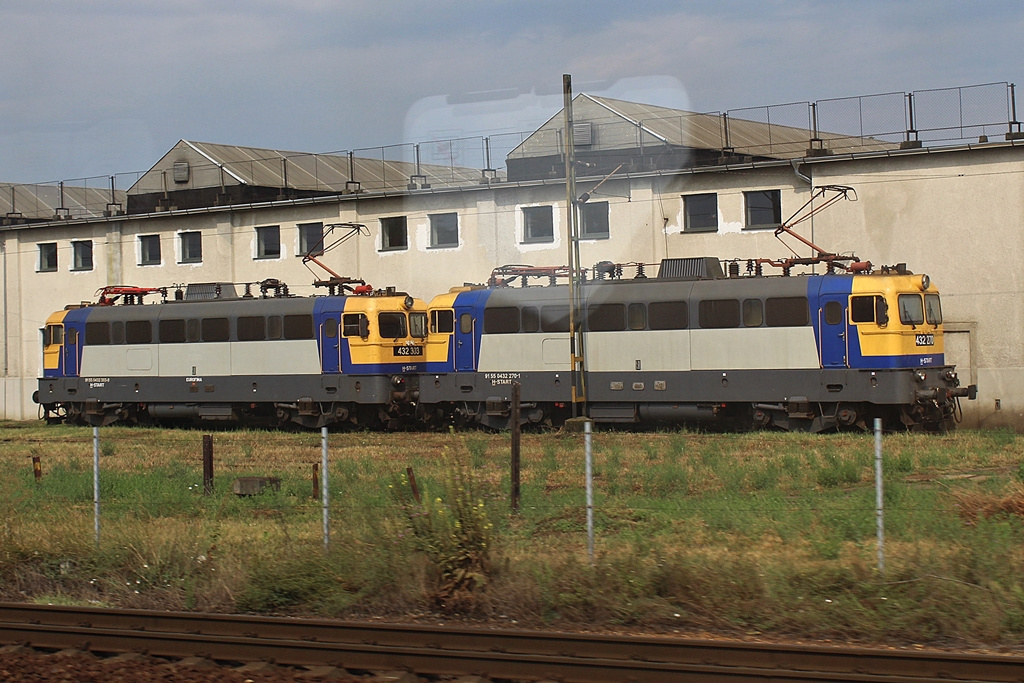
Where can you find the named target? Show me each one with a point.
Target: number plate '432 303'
(407, 350)
(924, 339)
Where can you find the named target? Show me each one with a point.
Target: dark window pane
(172, 331)
(442, 322)
(149, 250)
(393, 233)
(444, 230)
(594, 220)
(764, 208)
(911, 309)
(117, 332)
(789, 311)
(252, 328)
(862, 309)
(531, 319)
(268, 241)
(700, 212)
(538, 224)
(719, 313)
(834, 312)
(932, 309)
(753, 315)
(392, 325)
(606, 317)
(668, 315)
(504, 320)
(97, 333)
(311, 237)
(274, 326)
(350, 324)
(191, 247)
(298, 327)
(637, 314)
(48, 257)
(215, 329)
(554, 318)
(330, 328)
(192, 330)
(138, 332)
(465, 323)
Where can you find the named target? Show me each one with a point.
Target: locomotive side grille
(694, 268)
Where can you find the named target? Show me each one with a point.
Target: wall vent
(181, 171)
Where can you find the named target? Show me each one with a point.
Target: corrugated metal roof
(213, 165)
(49, 201)
(618, 124)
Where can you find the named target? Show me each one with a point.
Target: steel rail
(437, 649)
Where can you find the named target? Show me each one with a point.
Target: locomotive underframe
(308, 401)
(802, 400)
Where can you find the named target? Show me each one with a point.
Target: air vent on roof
(208, 291)
(583, 133)
(699, 268)
(181, 171)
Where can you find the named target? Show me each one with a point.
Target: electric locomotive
(800, 352)
(211, 355)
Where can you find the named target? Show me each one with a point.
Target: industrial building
(939, 187)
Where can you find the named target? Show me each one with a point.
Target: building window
(444, 230)
(394, 233)
(268, 241)
(149, 250)
(594, 221)
(81, 255)
(48, 257)
(311, 239)
(538, 224)
(700, 212)
(191, 247)
(764, 208)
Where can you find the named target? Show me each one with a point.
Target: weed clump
(450, 527)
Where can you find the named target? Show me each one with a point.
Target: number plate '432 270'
(407, 350)
(924, 339)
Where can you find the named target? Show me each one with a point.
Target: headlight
(920, 376)
(925, 282)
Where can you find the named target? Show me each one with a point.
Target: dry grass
(761, 532)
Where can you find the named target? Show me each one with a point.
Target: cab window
(54, 335)
(869, 309)
(355, 325)
(418, 325)
(442, 322)
(391, 325)
(932, 309)
(911, 309)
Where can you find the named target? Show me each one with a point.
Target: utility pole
(576, 356)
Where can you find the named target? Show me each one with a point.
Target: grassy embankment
(760, 533)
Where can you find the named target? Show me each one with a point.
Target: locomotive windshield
(392, 325)
(911, 309)
(932, 309)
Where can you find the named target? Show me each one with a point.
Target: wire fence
(936, 117)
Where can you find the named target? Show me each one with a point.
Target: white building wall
(954, 215)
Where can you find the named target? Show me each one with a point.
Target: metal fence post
(590, 490)
(325, 489)
(878, 496)
(96, 482)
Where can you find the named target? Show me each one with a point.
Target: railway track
(494, 653)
